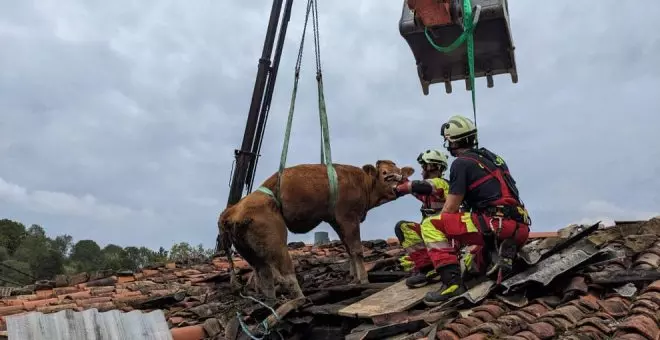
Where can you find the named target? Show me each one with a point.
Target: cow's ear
(370, 169)
(407, 171)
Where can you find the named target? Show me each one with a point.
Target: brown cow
(258, 228)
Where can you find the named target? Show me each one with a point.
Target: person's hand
(394, 177)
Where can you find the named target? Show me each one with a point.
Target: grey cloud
(137, 107)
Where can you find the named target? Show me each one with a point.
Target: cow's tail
(224, 242)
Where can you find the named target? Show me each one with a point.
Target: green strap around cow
(469, 25)
(326, 156)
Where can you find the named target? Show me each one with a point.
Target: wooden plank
(395, 298)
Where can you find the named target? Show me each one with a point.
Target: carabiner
(499, 227)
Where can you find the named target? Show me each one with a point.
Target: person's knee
(398, 230)
(522, 235)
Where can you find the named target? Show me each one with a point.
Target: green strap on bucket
(326, 155)
(469, 26)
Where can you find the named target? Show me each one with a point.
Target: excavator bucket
(493, 43)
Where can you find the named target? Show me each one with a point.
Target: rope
(263, 323)
(326, 156)
(469, 25)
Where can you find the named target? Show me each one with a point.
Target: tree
(203, 254)
(51, 263)
(143, 256)
(36, 231)
(34, 255)
(180, 252)
(4, 254)
(162, 254)
(13, 273)
(62, 244)
(11, 234)
(115, 257)
(36, 250)
(184, 252)
(87, 256)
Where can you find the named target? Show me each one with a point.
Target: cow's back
(305, 194)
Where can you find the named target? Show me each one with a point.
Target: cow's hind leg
(349, 233)
(266, 281)
(287, 270)
(252, 242)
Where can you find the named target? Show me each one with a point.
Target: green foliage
(63, 244)
(28, 254)
(185, 252)
(15, 273)
(87, 255)
(36, 250)
(11, 234)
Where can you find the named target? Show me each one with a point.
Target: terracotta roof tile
(32, 305)
(476, 336)
(447, 335)
(570, 307)
(524, 335)
(543, 330)
(493, 309)
(459, 329)
(469, 321)
(9, 310)
(616, 306)
(631, 336)
(541, 234)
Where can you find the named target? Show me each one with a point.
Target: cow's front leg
(349, 232)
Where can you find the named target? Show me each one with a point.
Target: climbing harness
(469, 25)
(263, 323)
(326, 156)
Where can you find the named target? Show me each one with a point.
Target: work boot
(502, 261)
(469, 267)
(421, 278)
(453, 286)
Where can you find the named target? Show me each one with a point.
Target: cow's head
(382, 189)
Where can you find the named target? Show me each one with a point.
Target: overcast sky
(118, 119)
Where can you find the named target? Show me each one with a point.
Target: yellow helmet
(458, 128)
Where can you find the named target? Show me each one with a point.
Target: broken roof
(583, 282)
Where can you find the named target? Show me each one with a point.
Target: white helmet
(458, 128)
(433, 157)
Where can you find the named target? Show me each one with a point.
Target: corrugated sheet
(89, 325)
(6, 291)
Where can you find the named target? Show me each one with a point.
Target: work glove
(400, 190)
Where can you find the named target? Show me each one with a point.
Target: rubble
(583, 282)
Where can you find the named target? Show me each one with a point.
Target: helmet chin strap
(452, 150)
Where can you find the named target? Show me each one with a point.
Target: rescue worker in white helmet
(431, 191)
(495, 219)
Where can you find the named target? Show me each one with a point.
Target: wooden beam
(395, 298)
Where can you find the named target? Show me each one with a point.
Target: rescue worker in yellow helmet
(495, 217)
(431, 192)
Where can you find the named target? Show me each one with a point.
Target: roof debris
(583, 282)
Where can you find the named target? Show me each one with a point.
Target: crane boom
(246, 157)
